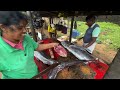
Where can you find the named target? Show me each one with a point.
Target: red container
(100, 68)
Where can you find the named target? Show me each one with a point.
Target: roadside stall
(68, 60)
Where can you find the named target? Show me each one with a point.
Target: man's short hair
(91, 17)
(11, 17)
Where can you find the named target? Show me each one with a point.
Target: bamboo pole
(71, 29)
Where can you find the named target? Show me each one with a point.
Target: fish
(42, 58)
(53, 73)
(78, 51)
(60, 51)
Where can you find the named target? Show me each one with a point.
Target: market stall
(72, 66)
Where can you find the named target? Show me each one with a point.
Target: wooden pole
(50, 20)
(31, 26)
(75, 25)
(71, 29)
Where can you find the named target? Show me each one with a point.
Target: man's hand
(89, 44)
(54, 44)
(85, 46)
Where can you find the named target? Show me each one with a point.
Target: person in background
(92, 33)
(16, 48)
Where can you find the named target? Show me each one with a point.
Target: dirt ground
(114, 70)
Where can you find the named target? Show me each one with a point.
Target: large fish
(80, 52)
(42, 58)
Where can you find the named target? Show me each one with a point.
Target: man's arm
(93, 40)
(0, 75)
(40, 47)
(46, 46)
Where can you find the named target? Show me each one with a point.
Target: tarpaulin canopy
(76, 13)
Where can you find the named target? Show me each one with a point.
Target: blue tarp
(75, 33)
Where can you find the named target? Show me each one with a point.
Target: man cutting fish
(92, 33)
(16, 48)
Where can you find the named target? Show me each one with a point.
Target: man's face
(89, 23)
(18, 31)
